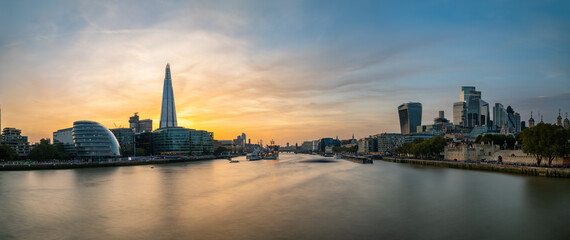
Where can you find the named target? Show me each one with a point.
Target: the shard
(168, 113)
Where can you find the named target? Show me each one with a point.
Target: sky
(285, 70)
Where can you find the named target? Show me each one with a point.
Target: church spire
(168, 113)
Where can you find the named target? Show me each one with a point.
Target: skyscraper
(471, 110)
(500, 116)
(168, 113)
(410, 117)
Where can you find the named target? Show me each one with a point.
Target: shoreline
(74, 165)
(490, 167)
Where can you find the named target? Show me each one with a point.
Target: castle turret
(531, 121)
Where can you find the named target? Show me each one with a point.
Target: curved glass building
(92, 139)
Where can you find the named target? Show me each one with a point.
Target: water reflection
(296, 197)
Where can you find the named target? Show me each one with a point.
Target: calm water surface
(292, 198)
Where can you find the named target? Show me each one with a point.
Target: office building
(138, 125)
(126, 138)
(93, 140)
(499, 116)
(471, 110)
(65, 138)
(168, 113)
(410, 115)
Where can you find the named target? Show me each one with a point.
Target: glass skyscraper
(410, 117)
(168, 113)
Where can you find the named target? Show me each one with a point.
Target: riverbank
(514, 169)
(73, 165)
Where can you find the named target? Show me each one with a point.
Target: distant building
(139, 126)
(13, 138)
(307, 146)
(65, 137)
(531, 121)
(410, 115)
(201, 142)
(168, 113)
(126, 138)
(499, 116)
(93, 140)
(471, 110)
(389, 142)
(171, 141)
(144, 140)
(559, 119)
(327, 142)
(566, 122)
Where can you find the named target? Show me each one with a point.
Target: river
(295, 197)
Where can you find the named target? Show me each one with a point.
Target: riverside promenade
(34, 165)
(561, 172)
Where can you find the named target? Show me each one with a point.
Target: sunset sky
(287, 70)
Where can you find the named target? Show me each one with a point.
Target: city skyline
(285, 71)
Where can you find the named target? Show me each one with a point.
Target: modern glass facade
(410, 117)
(201, 142)
(171, 141)
(459, 112)
(125, 137)
(168, 113)
(93, 140)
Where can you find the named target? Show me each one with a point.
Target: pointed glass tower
(168, 113)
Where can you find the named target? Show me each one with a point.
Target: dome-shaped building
(92, 139)
(566, 122)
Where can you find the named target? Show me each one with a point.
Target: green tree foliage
(424, 148)
(545, 141)
(141, 152)
(46, 151)
(7, 153)
(505, 141)
(352, 149)
(220, 150)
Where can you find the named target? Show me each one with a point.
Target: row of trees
(505, 141)
(432, 147)
(46, 151)
(546, 141)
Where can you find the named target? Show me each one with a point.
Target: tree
(437, 145)
(7, 153)
(220, 150)
(43, 151)
(141, 152)
(545, 141)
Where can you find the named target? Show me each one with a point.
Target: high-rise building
(499, 116)
(139, 126)
(473, 112)
(459, 113)
(410, 117)
(168, 113)
(513, 121)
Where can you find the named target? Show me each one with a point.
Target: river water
(296, 197)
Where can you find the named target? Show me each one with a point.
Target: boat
(255, 155)
(272, 151)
